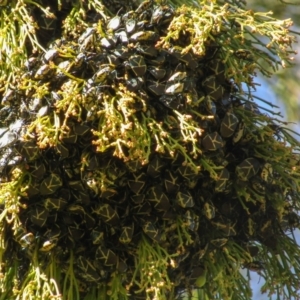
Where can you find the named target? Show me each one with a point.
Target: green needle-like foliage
(134, 162)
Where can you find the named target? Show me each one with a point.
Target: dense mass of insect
(98, 205)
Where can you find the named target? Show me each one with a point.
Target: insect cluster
(123, 155)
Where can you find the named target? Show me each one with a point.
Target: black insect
(114, 23)
(7, 137)
(106, 256)
(76, 231)
(89, 270)
(157, 73)
(185, 199)
(229, 125)
(174, 88)
(27, 240)
(144, 36)
(55, 204)
(38, 215)
(151, 231)
(136, 185)
(172, 101)
(8, 96)
(50, 55)
(130, 25)
(171, 182)
(222, 180)
(135, 83)
(158, 198)
(155, 167)
(156, 88)
(147, 50)
(43, 72)
(142, 209)
(107, 213)
(144, 6)
(50, 184)
(162, 15)
(212, 142)
(137, 65)
(126, 234)
(97, 235)
(29, 150)
(247, 168)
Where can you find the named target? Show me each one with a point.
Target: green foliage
(284, 82)
(139, 167)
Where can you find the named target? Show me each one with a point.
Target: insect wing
(27, 240)
(39, 170)
(156, 88)
(218, 68)
(126, 234)
(55, 203)
(108, 214)
(39, 216)
(107, 256)
(7, 139)
(247, 168)
(48, 245)
(130, 25)
(154, 167)
(50, 184)
(144, 36)
(3, 131)
(19, 233)
(212, 142)
(175, 88)
(97, 236)
(114, 23)
(121, 266)
(157, 73)
(50, 55)
(138, 183)
(90, 272)
(29, 150)
(138, 65)
(89, 31)
(148, 50)
(75, 232)
(151, 231)
(210, 106)
(42, 72)
(222, 180)
(171, 182)
(158, 198)
(144, 6)
(229, 125)
(238, 133)
(102, 74)
(185, 199)
(178, 76)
